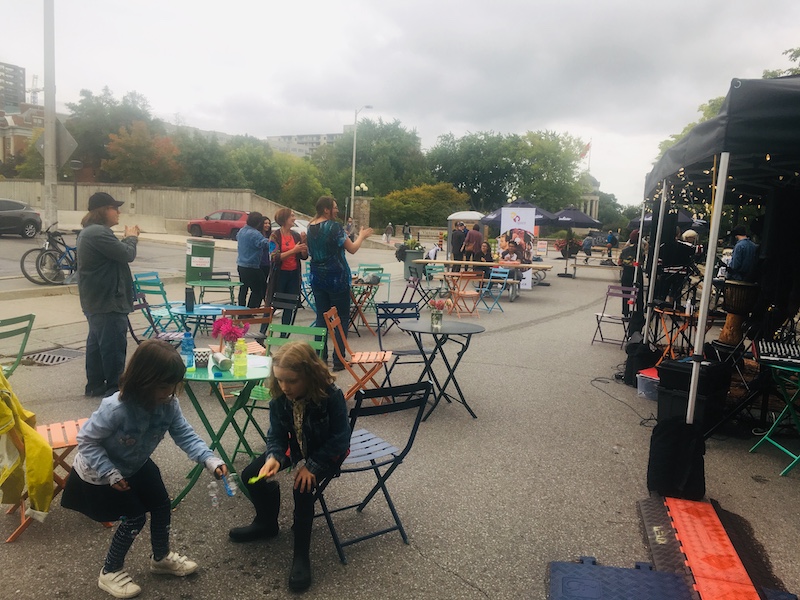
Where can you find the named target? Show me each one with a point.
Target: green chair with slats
(17, 327)
(260, 396)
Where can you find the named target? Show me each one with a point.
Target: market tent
(747, 154)
(572, 217)
(469, 217)
(543, 217)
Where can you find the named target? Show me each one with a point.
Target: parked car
(18, 217)
(220, 224)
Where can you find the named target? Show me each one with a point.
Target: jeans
(325, 301)
(252, 279)
(106, 347)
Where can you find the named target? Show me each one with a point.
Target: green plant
(412, 244)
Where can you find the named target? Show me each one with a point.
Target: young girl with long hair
(113, 477)
(307, 418)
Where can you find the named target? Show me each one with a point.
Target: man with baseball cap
(105, 286)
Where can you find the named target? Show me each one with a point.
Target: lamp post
(353, 173)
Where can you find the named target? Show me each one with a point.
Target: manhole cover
(54, 357)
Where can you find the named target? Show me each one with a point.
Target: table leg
(216, 436)
(428, 369)
(452, 373)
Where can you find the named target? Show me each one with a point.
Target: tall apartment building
(12, 87)
(301, 145)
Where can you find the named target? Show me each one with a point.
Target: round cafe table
(451, 334)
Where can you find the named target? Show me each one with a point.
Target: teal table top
(258, 367)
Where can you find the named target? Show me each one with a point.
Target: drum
(739, 297)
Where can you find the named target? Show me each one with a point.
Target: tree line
(119, 141)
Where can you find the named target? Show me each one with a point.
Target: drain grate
(54, 357)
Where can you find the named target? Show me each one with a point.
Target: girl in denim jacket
(113, 477)
(309, 432)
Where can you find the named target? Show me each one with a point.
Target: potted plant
(407, 253)
(568, 246)
(225, 329)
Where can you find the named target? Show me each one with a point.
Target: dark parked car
(219, 224)
(18, 217)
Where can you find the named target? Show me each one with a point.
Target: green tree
(301, 186)
(421, 205)
(480, 165)
(95, 117)
(388, 157)
(32, 165)
(546, 168)
(206, 163)
(255, 159)
(794, 56)
(137, 156)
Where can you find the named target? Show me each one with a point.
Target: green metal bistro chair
(277, 335)
(160, 306)
(13, 328)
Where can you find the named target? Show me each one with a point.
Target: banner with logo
(518, 224)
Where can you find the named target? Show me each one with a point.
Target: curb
(45, 291)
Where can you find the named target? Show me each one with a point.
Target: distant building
(590, 202)
(12, 87)
(301, 145)
(16, 130)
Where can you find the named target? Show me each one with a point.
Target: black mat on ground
(586, 579)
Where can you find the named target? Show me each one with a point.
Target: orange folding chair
(369, 363)
(63, 439)
(464, 295)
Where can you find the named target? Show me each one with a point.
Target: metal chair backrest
(279, 334)
(16, 327)
(389, 314)
(283, 301)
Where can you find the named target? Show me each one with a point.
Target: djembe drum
(739, 299)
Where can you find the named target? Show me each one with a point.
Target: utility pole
(50, 167)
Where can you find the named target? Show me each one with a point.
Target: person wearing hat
(457, 243)
(743, 259)
(105, 286)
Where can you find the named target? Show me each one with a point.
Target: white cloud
(623, 73)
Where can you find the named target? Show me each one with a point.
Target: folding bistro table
(457, 332)
(258, 369)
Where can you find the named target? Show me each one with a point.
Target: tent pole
(636, 265)
(713, 235)
(651, 289)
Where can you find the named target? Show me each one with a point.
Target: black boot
(300, 577)
(266, 496)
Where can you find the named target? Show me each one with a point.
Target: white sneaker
(173, 564)
(119, 584)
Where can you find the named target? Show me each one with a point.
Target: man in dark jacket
(457, 242)
(105, 286)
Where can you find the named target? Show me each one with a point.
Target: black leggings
(254, 280)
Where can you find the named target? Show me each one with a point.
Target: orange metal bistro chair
(463, 294)
(369, 363)
(62, 438)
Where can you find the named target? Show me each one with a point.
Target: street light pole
(353, 173)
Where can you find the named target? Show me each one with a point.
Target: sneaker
(119, 584)
(173, 564)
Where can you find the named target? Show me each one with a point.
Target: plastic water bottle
(229, 483)
(240, 358)
(213, 492)
(187, 351)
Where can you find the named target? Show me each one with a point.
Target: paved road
(551, 470)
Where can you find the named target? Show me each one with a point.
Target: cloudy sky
(624, 74)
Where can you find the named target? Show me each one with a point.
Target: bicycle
(27, 262)
(59, 261)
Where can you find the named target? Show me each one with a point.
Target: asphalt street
(551, 470)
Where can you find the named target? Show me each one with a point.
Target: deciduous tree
(137, 156)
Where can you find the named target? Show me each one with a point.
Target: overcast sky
(624, 74)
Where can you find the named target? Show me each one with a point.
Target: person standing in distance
(105, 286)
(457, 244)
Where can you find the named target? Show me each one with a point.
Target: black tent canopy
(748, 153)
(758, 124)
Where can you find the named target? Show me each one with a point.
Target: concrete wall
(162, 208)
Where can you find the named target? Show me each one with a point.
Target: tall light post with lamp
(353, 172)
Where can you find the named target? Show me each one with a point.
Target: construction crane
(35, 89)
